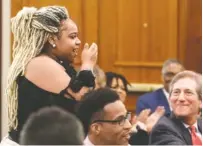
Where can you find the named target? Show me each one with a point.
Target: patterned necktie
(195, 139)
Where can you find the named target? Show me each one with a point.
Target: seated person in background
(52, 126)
(106, 120)
(118, 83)
(184, 127)
(160, 97)
(100, 77)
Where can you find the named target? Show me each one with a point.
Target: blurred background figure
(52, 126)
(100, 77)
(160, 97)
(118, 83)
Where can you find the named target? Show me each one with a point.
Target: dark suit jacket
(171, 131)
(151, 101)
(139, 138)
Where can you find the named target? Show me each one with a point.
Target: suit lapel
(183, 130)
(199, 123)
(164, 101)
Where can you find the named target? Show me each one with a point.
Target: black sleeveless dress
(31, 98)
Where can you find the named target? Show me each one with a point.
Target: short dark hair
(111, 75)
(94, 103)
(52, 126)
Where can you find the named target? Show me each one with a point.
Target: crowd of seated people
(105, 120)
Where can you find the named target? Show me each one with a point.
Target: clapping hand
(89, 56)
(146, 121)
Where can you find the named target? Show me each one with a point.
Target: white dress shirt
(87, 142)
(167, 97)
(7, 142)
(198, 133)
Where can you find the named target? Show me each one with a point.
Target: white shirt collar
(166, 93)
(187, 126)
(196, 127)
(167, 97)
(88, 142)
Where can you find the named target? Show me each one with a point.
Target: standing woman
(45, 45)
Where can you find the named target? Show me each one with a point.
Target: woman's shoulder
(43, 61)
(47, 74)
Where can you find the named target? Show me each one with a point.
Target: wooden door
(136, 36)
(190, 30)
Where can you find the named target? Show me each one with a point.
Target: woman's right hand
(89, 56)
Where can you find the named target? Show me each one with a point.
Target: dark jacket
(171, 131)
(151, 101)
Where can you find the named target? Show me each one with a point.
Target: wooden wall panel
(193, 55)
(190, 34)
(137, 36)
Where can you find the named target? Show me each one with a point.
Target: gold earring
(54, 45)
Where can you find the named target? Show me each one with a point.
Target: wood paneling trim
(182, 29)
(90, 20)
(143, 87)
(137, 64)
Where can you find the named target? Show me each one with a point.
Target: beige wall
(5, 62)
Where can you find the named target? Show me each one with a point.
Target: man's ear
(95, 128)
(162, 78)
(200, 106)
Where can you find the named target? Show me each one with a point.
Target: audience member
(45, 45)
(106, 120)
(160, 97)
(118, 83)
(52, 126)
(184, 127)
(100, 77)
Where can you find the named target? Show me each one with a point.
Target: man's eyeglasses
(121, 120)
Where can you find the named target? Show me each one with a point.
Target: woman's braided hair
(31, 28)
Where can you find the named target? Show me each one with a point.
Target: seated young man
(106, 120)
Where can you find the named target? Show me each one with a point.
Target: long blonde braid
(31, 29)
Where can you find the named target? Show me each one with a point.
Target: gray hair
(168, 62)
(188, 74)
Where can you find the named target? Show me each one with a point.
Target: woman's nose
(78, 42)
